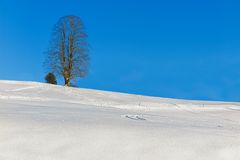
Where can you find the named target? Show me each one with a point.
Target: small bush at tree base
(50, 78)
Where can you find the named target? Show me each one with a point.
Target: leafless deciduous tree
(67, 55)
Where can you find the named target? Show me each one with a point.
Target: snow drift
(46, 122)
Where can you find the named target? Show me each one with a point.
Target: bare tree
(67, 55)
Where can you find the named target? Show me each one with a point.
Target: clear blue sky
(171, 48)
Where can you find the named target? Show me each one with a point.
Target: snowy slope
(45, 122)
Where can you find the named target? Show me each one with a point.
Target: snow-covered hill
(46, 122)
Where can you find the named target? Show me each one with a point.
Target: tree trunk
(67, 82)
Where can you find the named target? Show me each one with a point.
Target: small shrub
(50, 78)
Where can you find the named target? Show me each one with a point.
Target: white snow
(46, 122)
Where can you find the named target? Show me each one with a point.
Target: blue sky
(170, 48)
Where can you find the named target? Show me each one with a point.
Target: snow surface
(46, 122)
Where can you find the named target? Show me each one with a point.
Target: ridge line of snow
(103, 98)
